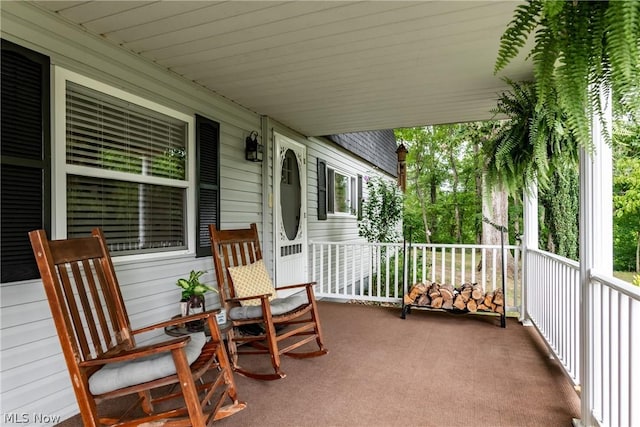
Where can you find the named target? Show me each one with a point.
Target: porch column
(529, 241)
(596, 249)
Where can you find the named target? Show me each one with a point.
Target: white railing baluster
(443, 258)
(433, 264)
(473, 266)
(484, 268)
(463, 265)
(321, 269)
(494, 264)
(452, 280)
(424, 264)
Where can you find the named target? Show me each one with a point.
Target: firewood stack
(468, 297)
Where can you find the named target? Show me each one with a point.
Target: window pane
(109, 133)
(134, 217)
(342, 193)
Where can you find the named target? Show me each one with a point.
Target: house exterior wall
(32, 371)
(376, 146)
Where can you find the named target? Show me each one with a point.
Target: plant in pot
(193, 291)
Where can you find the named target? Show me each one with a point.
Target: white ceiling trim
(321, 67)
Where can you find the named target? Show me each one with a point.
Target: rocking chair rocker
(101, 353)
(248, 295)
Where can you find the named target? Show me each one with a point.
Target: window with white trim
(341, 193)
(126, 169)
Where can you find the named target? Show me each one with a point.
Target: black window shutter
(331, 182)
(25, 186)
(208, 187)
(322, 190)
(359, 199)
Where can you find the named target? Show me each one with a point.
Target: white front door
(290, 212)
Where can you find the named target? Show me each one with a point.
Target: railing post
(529, 241)
(596, 250)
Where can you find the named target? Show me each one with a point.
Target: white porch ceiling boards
(321, 67)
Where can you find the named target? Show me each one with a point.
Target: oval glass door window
(290, 194)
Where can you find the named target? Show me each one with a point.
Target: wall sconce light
(253, 150)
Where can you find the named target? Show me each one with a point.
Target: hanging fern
(581, 48)
(531, 142)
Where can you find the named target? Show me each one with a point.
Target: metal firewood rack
(406, 308)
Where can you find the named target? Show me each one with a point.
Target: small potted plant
(193, 293)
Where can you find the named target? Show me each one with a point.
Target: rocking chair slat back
(237, 247)
(92, 315)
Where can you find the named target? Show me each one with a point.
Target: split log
(476, 292)
(434, 290)
(472, 306)
(416, 290)
(459, 302)
(465, 292)
(498, 297)
(447, 292)
(488, 299)
(436, 302)
(447, 304)
(483, 307)
(423, 300)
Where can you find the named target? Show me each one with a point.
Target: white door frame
(291, 268)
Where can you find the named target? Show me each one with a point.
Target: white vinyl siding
(33, 374)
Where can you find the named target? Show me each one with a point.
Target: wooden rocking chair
(101, 353)
(283, 324)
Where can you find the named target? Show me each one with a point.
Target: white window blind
(137, 146)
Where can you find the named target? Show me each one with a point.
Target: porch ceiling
(321, 67)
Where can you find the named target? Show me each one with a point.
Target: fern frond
(516, 34)
(582, 49)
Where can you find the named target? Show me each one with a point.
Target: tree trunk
(421, 199)
(478, 179)
(496, 211)
(456, 205)
(423, 210)
(638, 254)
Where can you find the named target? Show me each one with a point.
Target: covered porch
(432, 369)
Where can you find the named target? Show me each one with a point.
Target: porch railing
(614, 364)
(553, 301)
(553, 305)
(379, 271)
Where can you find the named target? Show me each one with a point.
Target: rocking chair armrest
(177, 320)
(299, 285)
(138, 352)
(238, 299)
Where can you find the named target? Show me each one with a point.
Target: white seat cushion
(114, 376)
(278, 306)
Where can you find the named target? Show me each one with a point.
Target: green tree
(626, 195)
(426, 172)
(559, 210)
(440, 203)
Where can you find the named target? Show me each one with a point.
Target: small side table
(179, 330)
